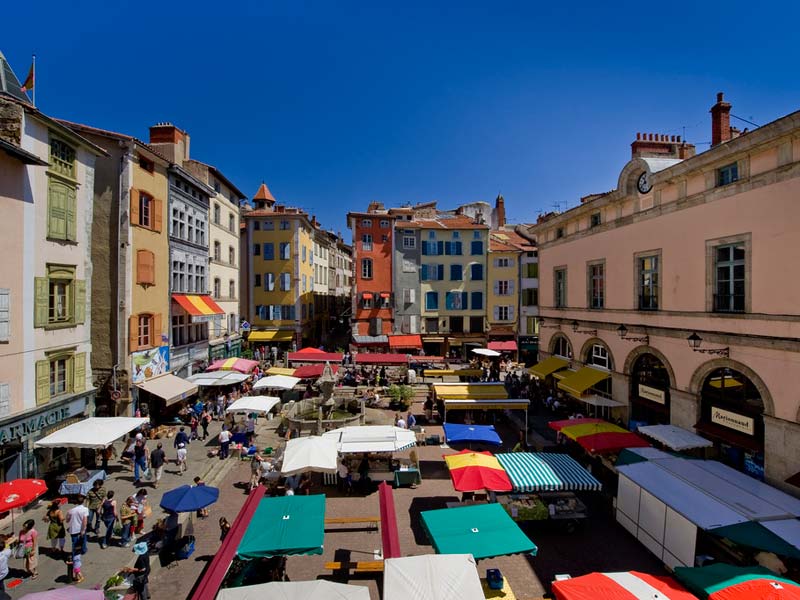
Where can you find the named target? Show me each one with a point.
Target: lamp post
(695, 341)
(623, 334)
(575, 329)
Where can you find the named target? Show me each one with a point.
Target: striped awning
(546, 472)
(274, 335)
(201, 308)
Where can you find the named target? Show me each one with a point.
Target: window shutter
(145, 267)
(72, 214)
(155, 330)
(458, 250)
(79, 372)
(511, 287)
(56, 210)
(42, 381)
(135, 208)
(441, 272)
(5, 314)
(464, 301)
(411, 296)
(440, 248)
(496, 288)
(5, 399)
(496, 313)
(133, 333)
(156, 217)
(511, 313)
(424, 273)
(80, 301)
(41, 308)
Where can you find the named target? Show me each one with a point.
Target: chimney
(170, 141)
(500, 211)
(659, 145)
(720, 121)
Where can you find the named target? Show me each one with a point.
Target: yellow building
(502, 298)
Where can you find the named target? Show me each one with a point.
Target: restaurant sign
(37, 422)
(652, 394)
(733, 421)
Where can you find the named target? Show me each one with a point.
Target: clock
(644, 184)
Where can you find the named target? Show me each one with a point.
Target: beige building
(673, 288)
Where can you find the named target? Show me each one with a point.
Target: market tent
(313, 453)
(483, 530)
(217, 378)
(254, 404)
(312, 371)
(242, 365)
(676, 438)
(508, 346)
(67, 592)
(390, 536)
(274, 335)
(482, 434)
(610, 442)
(317, 589)
(403, 342)
(559, 425)
(279, 382)
(470, 391)
(169, 387)
(629, 456)
(763, 537)
(543, 471)
(574, 432)
(310, 350)
(721, 581)
(371, 438)
(486, 352)
(368, 358)
(432, 577)
(285, 526)
(280, 371)
(582, 380)
(620, 586)
(547, 366)
(94, 432)
(476, 471)
(315, 357)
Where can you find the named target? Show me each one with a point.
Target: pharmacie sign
(26, 427)
(733, 420)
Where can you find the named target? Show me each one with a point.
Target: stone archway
(587, 347)
(554, 340)
(704, 370)
(634, 354)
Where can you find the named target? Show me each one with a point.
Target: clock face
(644, 184)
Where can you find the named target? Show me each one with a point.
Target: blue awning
(546, 472)
(483, 434)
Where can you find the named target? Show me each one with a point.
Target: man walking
(224, 442)
(77, 522)
(157, 460)
(139, 459)
(181, 438)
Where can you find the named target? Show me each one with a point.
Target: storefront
(528, 350)
(161, 398)
(649, 392)
(230, 347)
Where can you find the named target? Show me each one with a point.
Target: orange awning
(385, 294)
(405, 341)
(201, 308)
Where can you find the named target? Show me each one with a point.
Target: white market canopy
(318, 589)
(169, 387)
(217, 378)
(485, 352)
(254, 404)
(313, 453)
(371, 438)
(674, 437)
(94, 432)
(280, 382)
(432, 577)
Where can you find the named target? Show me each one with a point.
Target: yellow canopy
(547, 366)
(573, 432)
(280, 371)
(582, 380)
(470, 391)
(275, 335)
(444, 372)
(473, 459)
(730, 382)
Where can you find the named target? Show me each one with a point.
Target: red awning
(315, 357)
(611, 441)
(201, 308)
(366, 358)
(214, 575)
(503, 346)
(557, 425)
(309, 351)
(311, 371)
(405, 341)
(389, 534)
(385, 294)
(366, 294)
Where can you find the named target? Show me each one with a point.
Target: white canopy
(674, 437)
(312, 453)
(485, 352)
(169, 387)
(281, 382)
(596, 400)
(254, 404)
(318, 589)
(371, 438)
(432, 577)
(94, 432)
(217, 378)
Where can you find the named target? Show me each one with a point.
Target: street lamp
(623, 334)
(695, 341)
(575, 329)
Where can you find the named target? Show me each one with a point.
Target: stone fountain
(326, 383)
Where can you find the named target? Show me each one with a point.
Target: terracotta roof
(507, 240)
(88, 129)
(263, 193)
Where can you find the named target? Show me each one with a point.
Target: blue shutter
(441, 273)
(458, 248)
(440, 248)
(424, 272)
(464, 300)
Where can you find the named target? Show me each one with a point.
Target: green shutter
(80, 300)
(56, 210)
(42, 381)
(79, 380)
(71, 208)
(41, 306)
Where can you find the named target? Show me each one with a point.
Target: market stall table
(73, 484)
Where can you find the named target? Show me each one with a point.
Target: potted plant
(401, 396)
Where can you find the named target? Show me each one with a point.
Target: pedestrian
(202, 512)
(194, 423)
(77, 524)
(255, 472)
(140, 571)
(205, 420)
(250, 428)
(139, 459)
(157, 459)
(411, 420)
(28, 540)
(143, 510)
(304, 488)
(109, 515)
(56, 532)
(400, 422)
(181, 458)
(224, 442)
(181, 438)
(5, 554)
(127, 517)
(96, 495)
(224, 528)
(345, 479)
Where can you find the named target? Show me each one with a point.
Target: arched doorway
(650, 401)
(731, 415)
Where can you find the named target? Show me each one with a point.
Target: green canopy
(755, 535)
(285, 525)
(704, 581)
(483, 530)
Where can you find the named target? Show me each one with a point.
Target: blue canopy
(189, 498)
(483, 434)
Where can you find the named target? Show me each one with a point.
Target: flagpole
(34, 80)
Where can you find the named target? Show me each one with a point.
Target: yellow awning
(573, 432)
(486, 404)
(444, 372)
(582, 380)
(547, 366)
(280, 371)
(470, 391)
(271, 336)
(730, 382)
(559, 375)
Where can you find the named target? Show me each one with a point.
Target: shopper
(205, 420)
(56, 532)
(96, 495)
(143, 510)
(157, 459)
(5, 554)
(224, 442)
(140, 571)
(181, 438)
(180, 459)
(139, 459)
(127, 517)
(109, 515)
(77, 524)
(28, 540)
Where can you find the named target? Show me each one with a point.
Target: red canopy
(510, 346)
(405, 341)
(20, 492)
(558, 425)
(242, 365)
(310, 371)
(317, 356)
(604, 443)
(309, 351)
(367, 358)
(389, 534)
(619, 586)
(473, 471)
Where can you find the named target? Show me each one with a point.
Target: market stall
(318, 589)
(254, 404)
(161, 397)
(280, 371)
(675, 438)
(548, 366)
(317, 356)
(285, 526)
(312, 371)
(455, 433)
(241, 365)
(477, 471)
(217, 378)
(546, 472)
(309, 454)
(276, 382)
(94, 432)
(620, 586)
(432, 577)
(722, 581)
(376, 444)
(379, 358)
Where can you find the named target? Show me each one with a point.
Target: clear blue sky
(335, 104)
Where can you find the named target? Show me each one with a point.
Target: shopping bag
(20, 551)
(117, 528)
(148, 474)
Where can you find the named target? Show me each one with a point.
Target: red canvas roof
(619, 586)
(365, 358)
(405, 341)
(612, 441)
(310, 351)
(311, 371)
(510, 346)
(332, 357)
(389, 534)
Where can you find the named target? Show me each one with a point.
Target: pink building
(676, 289)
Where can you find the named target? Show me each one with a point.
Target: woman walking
(56, 532)
(109, 516)
(28, 540)
(127, 516)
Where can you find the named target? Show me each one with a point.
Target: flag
(29, 80)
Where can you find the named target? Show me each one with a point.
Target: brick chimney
(720, 121)
(500, 211)
(170, 141)
(659, 145)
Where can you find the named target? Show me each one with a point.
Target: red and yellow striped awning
(201, 308)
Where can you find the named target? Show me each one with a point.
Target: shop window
(562, 347)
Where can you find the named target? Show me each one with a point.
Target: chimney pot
(719, 96)
(638, 135)
(679, 138)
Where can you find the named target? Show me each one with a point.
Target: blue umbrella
(189, 498)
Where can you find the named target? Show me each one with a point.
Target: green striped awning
(545, 472)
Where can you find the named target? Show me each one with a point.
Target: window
(147, 165)
(145, 209)
(145, 330)
(502, 262)
(286, 282)
(231, 289)
(456, 235)
(61, 210)
(530, 297)
(560, 288)
(384, 224)
(303, 254)
(727, 174)
(455, 273)
(409, 241)
(5, 314)
(304, 287)
(562, 347)
(366, 223)
(594, 219)
(60, 299)
(730, 278)
(59, 374)
(217, 251)
(559, 233)
(532, 270)
(456, 324)
(431, 300)
(217, 187)
(456, 300)
(268, 225)
(409, 266)
(231, 223)
(231, 255)
(476, 272)
(366, 268)
(367, 301)
(476, 248)
(476, 235)
(217, 287)
(384, 238)
(216, 214)
(257, 225)
(432, 272)
(452, 248)
(476, 301)
(269, 251)
(62, 158)
(530, 326)
(366, 242)
(285, 226)
(269, 282)
(647, 267)
(597, 285)
(503, 313)
(145, 267)
(476, 324)
(257, 250)
(431, 235)
(286, 249)
(599, 357)
(257, 281)
(386, 300)
(409, 296)
(504, 287)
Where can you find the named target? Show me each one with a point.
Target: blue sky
(336, 104)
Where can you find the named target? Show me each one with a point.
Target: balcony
(728, 303)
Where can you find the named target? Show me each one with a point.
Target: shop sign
(149, 363)
(652, 394)
(733, 421)
(28, 426)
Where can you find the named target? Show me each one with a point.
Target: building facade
(528, 325)
(406, 277)
(502, 287)
(672, 285)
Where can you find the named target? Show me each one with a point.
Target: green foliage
(247, 354)
(401, 396)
